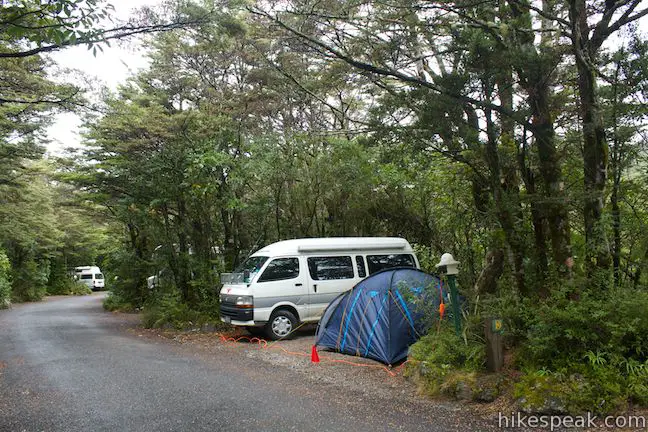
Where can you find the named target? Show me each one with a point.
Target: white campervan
(91, 276)
(292, 281)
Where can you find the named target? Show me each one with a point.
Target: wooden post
(493, 329)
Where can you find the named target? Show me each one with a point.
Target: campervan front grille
(237, 314)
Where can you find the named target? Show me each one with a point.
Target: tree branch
(40, 101)
(599, 34)
(542, 13)
(373, 69)
(102, 36)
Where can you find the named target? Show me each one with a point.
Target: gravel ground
(356, 374)
(359, 376)
(66, 365)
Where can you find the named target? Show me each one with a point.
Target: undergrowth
(116, 303)
(571, 355)
(169, 311)
(68, 286)
(5, 281)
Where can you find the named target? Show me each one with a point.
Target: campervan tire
(281, 325)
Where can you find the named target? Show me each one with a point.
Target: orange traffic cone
(314, 355)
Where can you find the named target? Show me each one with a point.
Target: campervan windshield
(245, 272)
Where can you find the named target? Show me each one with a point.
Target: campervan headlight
(244, 302)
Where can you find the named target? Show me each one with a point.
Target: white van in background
(91, 276)
(292, 281)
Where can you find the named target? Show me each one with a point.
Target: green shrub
(563, 332)
(592, 350)
(444, 359)
(68, 286)
(169, 311)
(59, 282)
(5, 281)
(579, 350)
(125, 276)
(78, 288)
(29, 279)
(115, 303)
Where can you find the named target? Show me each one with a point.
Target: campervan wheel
(281, 325)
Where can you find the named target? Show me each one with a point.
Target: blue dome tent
(382, 315)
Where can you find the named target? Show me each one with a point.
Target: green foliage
(114, 303)
(56, 23)
(66, 285)
(591, 354)
(170, 311)
(427, 257)
(29, 279)
(45, 233)
(564, 331)
(79, 288)
(448, 359)
(577, 354)
(516, 312)
(586, 388)
(5, 281)
(125, 277)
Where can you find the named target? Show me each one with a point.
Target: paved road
(66, 365)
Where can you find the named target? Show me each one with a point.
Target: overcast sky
(109, 68)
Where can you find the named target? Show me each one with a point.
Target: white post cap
(448, 261)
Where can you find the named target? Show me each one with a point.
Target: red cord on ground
(263, 344)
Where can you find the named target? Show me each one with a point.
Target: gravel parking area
(355, 374)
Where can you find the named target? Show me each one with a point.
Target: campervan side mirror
(246, 276)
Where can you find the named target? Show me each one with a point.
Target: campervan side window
(280, 269)
(380, 262)
(86, 276)
(361, 266)
(330, 268)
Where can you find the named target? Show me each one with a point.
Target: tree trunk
(551, 172)
(505, 202)
(595, 148)
(229, 251)
(538, 221)
(491, 272)
(183, 255)
(509, 177)
(616, 186)
(535, 77)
